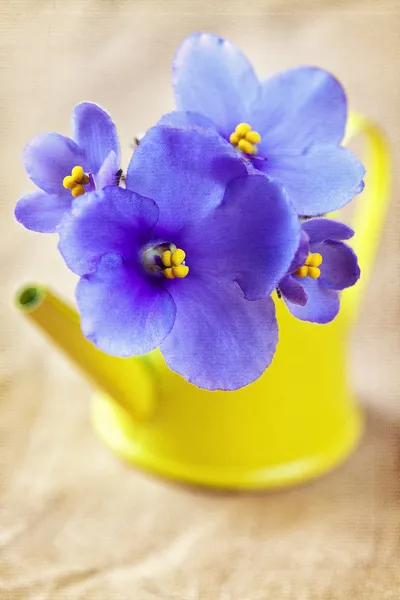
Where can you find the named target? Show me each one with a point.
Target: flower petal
(219, 339)
(42, 212)
(212, 77)
(112, 220)
(250, 238)
(107, 174)
(95, 133)
(292, 290)
(298, 108)
(185, 170)
(48, 158)
(185, 118)
(301, 253)
(322, 304)
(320, 181)
(123, 313)
(339, 268)
(320, 230)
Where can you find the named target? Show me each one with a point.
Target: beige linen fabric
(77, 524)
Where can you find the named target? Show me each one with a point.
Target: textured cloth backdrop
(75, 523)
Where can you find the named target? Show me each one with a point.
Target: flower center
(76, 181)
(310, 267)
(165, 259)
(245, 138)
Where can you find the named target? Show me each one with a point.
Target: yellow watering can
(296, 422)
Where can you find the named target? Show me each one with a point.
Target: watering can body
(295, 422)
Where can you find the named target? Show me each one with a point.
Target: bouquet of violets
(220, 209)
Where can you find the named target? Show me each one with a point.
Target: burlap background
(77, 524)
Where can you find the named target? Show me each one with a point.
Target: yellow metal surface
(284, 428)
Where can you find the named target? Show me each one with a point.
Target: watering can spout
(128, 381)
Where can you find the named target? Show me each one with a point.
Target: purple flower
(322, 266)
(186, 261)
(290, 126)
(63, 168)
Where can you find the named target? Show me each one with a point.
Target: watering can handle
(373, 204)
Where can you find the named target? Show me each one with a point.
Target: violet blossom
(63, 167)
(323, 265)
(289, 126)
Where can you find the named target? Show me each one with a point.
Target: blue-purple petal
(48, 158)
(107, 174)
(339, 268)
(185, 170)
(322, 304)
(319, 230)
(42, 212)
(250, 238)
(123, 313)
(298, 108)
(185, 118)
(219, 339)
(94, 132)
(113, 220)
(319, 181)
(292, 290)
(301, 253)
(211, 76)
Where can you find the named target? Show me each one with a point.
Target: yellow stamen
(302, 272)
(245, 138)
(178, 257)
(314, 272)
(242, 129)
(315, 260)
(166, 258)
(310, 267)
(253, 136)
(168, 273)
(69, 182)
(180, 271)
(77, 173)
(245, 146)
(76, 181)
(174, 263)
(77, 190)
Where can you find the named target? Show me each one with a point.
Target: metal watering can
(289, 426)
